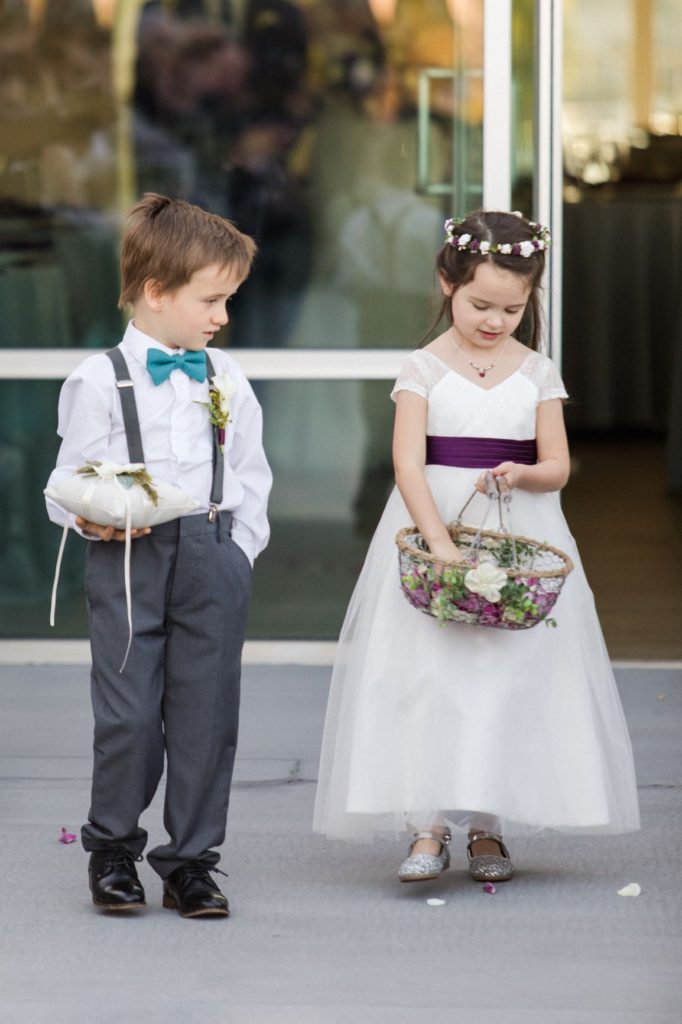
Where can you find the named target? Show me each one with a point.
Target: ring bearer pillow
(123, 496)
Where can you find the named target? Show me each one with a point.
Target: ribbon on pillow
(105, 471)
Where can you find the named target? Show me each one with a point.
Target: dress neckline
(479, 387)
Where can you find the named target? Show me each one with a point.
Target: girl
(434, 727)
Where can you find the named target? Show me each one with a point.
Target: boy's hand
(108, 532)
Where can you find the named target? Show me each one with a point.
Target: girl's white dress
(518, 731)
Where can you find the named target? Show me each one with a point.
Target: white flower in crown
(484, 248)
(463, 241)
(505, 249)
(527, 248)
(225, 387)
(487, 580)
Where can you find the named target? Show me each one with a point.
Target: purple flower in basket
(544, 601)
(414, 589)
(491, 614)
(419, 598)
(470, 603)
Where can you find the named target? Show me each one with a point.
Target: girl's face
(489, 308)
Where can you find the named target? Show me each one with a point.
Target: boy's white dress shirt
(176, 435)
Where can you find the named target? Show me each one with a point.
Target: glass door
(341, 134)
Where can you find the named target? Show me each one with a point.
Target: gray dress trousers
(178, 695)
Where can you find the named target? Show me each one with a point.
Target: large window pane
(299, 120)
(329, 445)
(29, 542)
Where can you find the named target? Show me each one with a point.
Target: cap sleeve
(552, 386)
(545, 376)
(415, 375)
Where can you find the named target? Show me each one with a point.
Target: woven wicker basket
(535, 573)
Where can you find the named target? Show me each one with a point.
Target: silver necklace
(480, 370)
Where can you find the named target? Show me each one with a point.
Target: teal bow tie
(161, 365)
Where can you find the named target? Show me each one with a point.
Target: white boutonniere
(221, 388)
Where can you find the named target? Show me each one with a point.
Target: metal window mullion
(497, 105)
(258, 364)
(549, 154)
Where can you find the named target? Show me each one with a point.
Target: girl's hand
(445, 551)
(108, 532)
(507, 475)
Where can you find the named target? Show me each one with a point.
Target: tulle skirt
(520, 732)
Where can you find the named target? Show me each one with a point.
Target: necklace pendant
(481, 373)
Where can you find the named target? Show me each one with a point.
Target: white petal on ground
(633, 889)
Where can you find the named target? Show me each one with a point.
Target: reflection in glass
(28, 541)
(332, 475)
(297, 120)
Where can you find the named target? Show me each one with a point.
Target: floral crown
(539, 241)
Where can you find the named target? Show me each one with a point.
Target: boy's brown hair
(168, 240)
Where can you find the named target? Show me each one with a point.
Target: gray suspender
(131, 422)
(218, 459)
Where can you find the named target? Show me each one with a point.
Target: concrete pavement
(321, 933)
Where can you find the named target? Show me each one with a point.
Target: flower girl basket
(125, 496)
(504, 581)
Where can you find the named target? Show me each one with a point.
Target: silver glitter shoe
(419, 867)
(489, 867)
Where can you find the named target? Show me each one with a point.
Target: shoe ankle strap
(494, 836)
(439, 837)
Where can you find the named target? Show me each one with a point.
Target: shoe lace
(120, 859)
(199, 869)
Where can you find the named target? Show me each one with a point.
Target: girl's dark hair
(457, 267)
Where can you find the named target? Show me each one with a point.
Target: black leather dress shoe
(192, 892)
(113, 880)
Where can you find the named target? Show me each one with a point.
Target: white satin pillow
(110, 496)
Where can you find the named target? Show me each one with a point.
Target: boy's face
(189, 317)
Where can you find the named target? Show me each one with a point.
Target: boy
(191, 578)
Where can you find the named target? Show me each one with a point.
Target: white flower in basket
(487, 580)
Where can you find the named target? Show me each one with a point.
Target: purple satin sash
(478, 452)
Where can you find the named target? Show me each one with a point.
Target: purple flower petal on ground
(489, 888)
(67, 837)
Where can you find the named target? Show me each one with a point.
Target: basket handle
(503, 498)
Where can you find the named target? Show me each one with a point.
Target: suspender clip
(212, 513)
